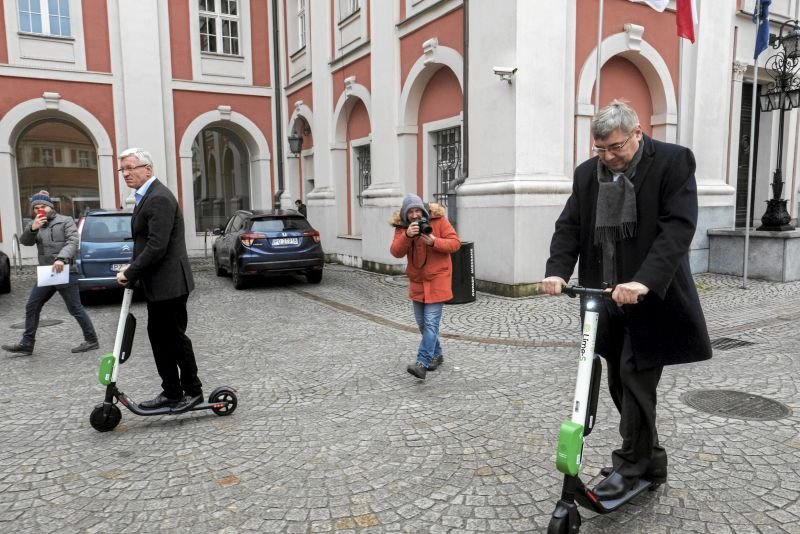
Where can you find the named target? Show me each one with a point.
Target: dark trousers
(72, 298)
(172, 348)
(634, 394)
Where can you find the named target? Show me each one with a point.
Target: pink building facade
(482, 106)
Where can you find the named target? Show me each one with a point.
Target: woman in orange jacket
(427, 239)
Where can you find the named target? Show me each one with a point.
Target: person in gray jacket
(56, 238)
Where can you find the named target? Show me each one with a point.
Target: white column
(705, 114)
(520, 137)
(322, 200)
(141, 78)
(385, 193)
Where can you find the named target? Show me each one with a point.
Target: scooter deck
(587, 499)
(170, 410)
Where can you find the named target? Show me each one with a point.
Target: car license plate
(285, 241)
(117, 267)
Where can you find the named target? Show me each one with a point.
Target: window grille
(364, 171)
(83, 159)
(219, 26)
(50, 17)
(448, 161)
(348, 7)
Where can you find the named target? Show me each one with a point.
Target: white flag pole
(753, 114)
(599, 59)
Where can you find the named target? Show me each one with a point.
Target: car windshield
(106, 229)
(279, 224)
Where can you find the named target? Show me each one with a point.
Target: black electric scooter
(569, 456)
(106, 415)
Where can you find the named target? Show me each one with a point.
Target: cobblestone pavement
(332, 435)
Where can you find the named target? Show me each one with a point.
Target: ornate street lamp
(782, 94)
(295, 143)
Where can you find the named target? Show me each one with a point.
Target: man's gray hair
(618, 115)
(141, 154)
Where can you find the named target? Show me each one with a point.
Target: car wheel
(220, 271)
(314, 277)
(5, 272)
(237, 276)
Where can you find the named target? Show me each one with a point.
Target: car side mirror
(217, 231)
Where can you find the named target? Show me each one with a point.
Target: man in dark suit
(631, 219)
(161, 266)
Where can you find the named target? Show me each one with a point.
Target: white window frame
(348, 8)
(214, 67)
(356, 211)
(45, 51)
(301, 24)
(219, 18)
(44, 15)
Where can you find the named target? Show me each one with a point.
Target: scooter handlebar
(580, 291)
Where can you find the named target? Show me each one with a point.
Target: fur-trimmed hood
(436, 210)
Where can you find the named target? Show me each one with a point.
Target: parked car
(258, 242)
(5, 273)
(106, 246)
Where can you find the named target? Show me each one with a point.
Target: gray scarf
(615, 217)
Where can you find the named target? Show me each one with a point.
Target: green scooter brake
(570, 448)
(106, 369)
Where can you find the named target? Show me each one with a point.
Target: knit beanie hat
(42, 197)
(412, 201)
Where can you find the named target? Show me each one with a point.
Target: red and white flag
(658, 5)
(686, 18)
(685, 14)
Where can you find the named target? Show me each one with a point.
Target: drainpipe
(278, 96)
(452, 214)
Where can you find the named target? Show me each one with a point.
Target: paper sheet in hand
(45, 276)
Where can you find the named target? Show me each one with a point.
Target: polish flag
(685, 14)
(658, 5)
(686, 18)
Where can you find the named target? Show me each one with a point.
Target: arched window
(58, 157)
(221, 177)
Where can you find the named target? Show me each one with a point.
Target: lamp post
(782, 94)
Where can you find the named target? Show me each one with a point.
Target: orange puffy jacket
(429, 269)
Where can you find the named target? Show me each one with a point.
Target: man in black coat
(161, 266)
(631, 219)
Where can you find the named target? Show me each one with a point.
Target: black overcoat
(668, 326)
(160, 262)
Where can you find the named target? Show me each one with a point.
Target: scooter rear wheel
(560, 525)
(102, 422)
(227, 396)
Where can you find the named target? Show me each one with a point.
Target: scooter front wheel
(104, 422)
(227, 400)
(565, 519)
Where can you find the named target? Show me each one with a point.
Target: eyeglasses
(616, 147)
(123, 170)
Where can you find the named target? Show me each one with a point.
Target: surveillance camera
(504, 71)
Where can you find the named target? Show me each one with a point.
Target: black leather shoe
(19, 348)
(87, 345)
(656, 476)
(158, 402)
(436, 361)
(614, 487)
(418, 370)
(188, 402)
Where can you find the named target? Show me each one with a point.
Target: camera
(424, 226)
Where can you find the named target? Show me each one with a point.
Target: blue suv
(106, 247)
(256, 242)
